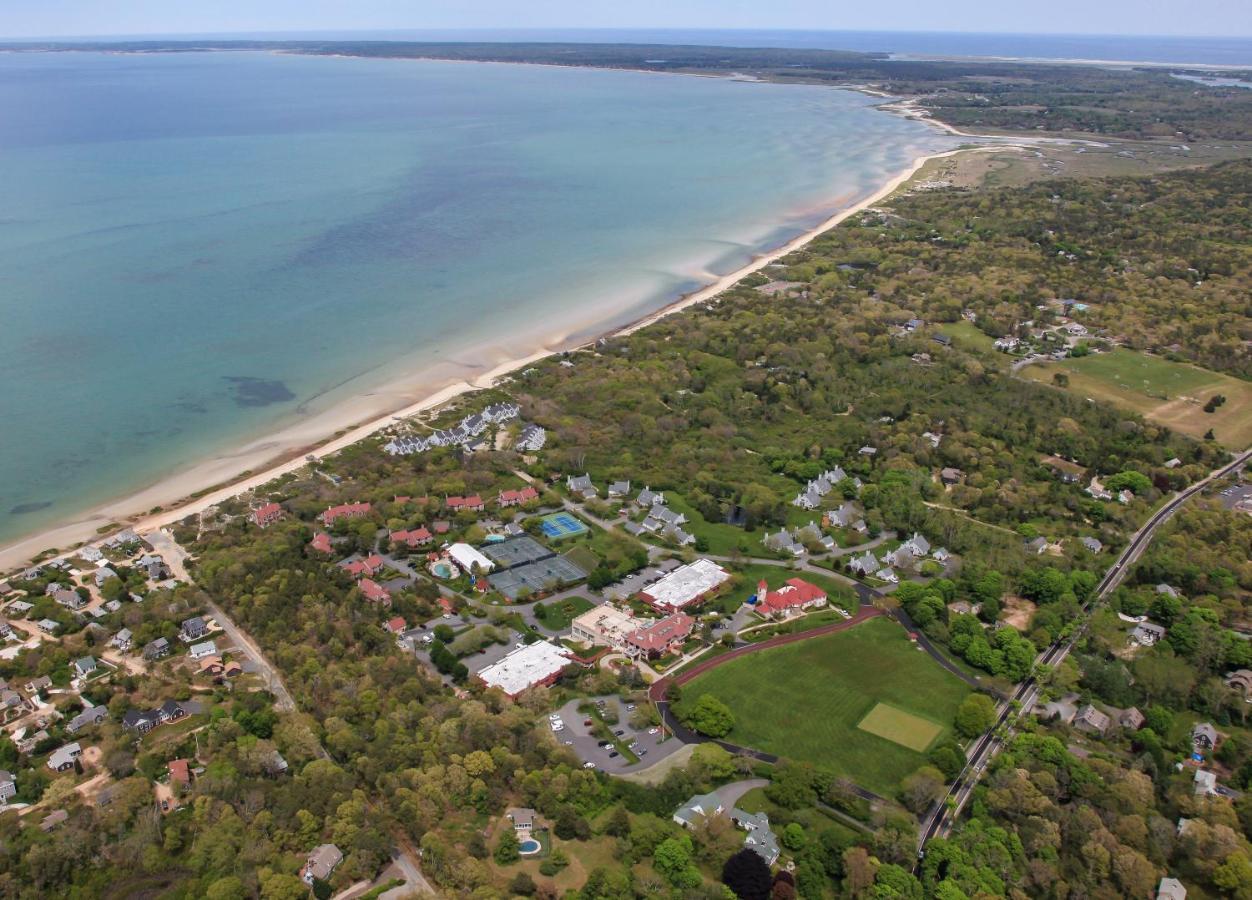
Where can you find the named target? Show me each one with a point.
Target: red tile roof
(267, 514)
(374, 591)
(414, 538)
(396, 625)
(659, 635)
(473, 501)
(345, 511)
(792, 595)
(321, 542)
(180, 771)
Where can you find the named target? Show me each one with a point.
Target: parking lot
(578, 737)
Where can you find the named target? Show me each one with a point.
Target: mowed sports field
(1168, 393)
(864, 703)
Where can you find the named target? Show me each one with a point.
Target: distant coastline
(215, 480)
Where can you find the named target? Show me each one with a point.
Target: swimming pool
(442, 569)
(529, 847)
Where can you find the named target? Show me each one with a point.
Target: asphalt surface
(578, 738)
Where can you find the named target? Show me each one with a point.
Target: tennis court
(560, 525)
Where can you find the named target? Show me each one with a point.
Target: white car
(554, 717)
(654, 731)
(589, 765)
(558, 726)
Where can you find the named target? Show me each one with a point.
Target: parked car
(654, 731)
(589, 765)
(613, 753)
(554, 717)
(619, 732)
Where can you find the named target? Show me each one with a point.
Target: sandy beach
(226, 475)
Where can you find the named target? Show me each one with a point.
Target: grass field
(805, 700)
(900, 727)
(1168, 393)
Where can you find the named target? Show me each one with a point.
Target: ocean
(199, 248)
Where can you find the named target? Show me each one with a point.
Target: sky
(65, 18)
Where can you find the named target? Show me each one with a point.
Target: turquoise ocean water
(198, 248)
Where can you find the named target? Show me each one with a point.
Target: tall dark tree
(748, 875)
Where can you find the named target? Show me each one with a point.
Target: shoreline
(225, 475)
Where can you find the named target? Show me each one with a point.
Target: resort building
(267, 515)
(345, 511)
(526, 667)
(62, 759)
(658, 638)
(792, 598)
(604, 625)
(374, 592)
(321, 542)
(466, 558)
(517, 498)
(685, 586)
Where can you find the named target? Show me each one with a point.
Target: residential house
(103, 574)
(374, 592)
(321, 543)
(760, 837)
(472, 503)
(180, 772)
(648, 498)
(1173, 463)
(52, 820)
(140, 720)
(62, 759)
(71, 600)
(1205, 783)
(517, 498)
(8, 787)
(203, 649)
(783, 542)
(1038, 546)
(531, 439)
(868, 451)
(1147, 633)
(345, 511)
(848, 515)
(121, 641)
(619, 489)
(6, 630)
(811, 534)
(865, 564)
(85, 667)
(416, 537)
(1241, 680)
(211, 666)
(49, 626)
(1130, 719)
(35, 685)
(1097, 490)
(580, 485)
(90, 554)
(321, 863)
(697, 808)
(887, 575)
(92, 715)
(360, 568)
(267, 515)
(154, 567)
(1092, 720)
(941, 339)
(156, 649)
(1204, 736)
(1092, 544)
(193, 629)
(523, 820)
(1171, 889)
(949, 475)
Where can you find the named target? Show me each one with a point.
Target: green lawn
(722, 539)
(806, 700)
(967, 336)
(1168, 393)
(557, 615)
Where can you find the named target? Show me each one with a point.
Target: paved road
(939, 820)
(176, 558)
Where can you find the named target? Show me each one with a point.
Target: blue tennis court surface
(559, 525)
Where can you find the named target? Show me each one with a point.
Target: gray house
(156, 649)
(92, 715)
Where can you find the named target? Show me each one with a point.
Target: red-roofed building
(267, 514)
(399, 499)
(346, 511)
(321, 543)
(661, 636)
(180, 771)
(445, 604)
(473, 502)
(792, 597)
(396, 625)
(414, 538)
(374, 592)
(516, 498)
(359, 568)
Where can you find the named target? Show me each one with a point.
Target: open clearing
(1164, 392)
(806, 701)
(903, 728)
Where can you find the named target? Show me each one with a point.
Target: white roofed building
(528, 666)
(466, 557)
(685, 586)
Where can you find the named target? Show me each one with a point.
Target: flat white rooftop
(525, 667)
(686, 584)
